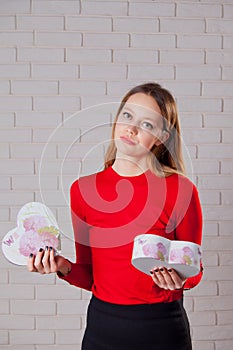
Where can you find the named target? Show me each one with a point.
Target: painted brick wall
(58, 57)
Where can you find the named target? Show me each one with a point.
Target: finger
(53, 264)
(177, 279)
(38, 261)
(158, 278)
(168, 280)
(46, 260)
(30, 263)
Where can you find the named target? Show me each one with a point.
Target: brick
(218, 89)
(80, 151)
(227, 135)
(54, 71)
(59, 135)
(4, 307)
(209, 197)
(224, 344)
(228, 10)
(13, 103)
(157, 41)
(215, 152)
(39, 54)
(217, 243)
(97, 116)
(210, 259)
(51, 198)
(210, 228)
(151, 9)
(34, 87)
(218, 213)
(225, 317)
(11, 166)
(195, 41)
(219, 56)
(102, 72)
(177, 25)
(119, 87)
(33, 182)
(58, 322)
(227, 105)
(16, 38)
(58, 292)
(226, 228)
(5, 182)
(69, 337)
(188, 120)
(227, 74)
(135, 25)
(21, 292)
(68, 307)
(7, 55)
(56, 7)
(225, 258)
(198, 72)
(23, 276)
(3, 337)
(204, 167)
(85, 55)
(4, 214)
(33, 307)
(40, 23)
(213, 303)
(151, 71)
(57, 103)
(33, 337)
(15, 70)
(225, 289)
(219, 26)
(212, 332)
(201, 136)
(205, 288)
(16, 322)
(89, 24)
(106, 40)
(15, 135)
(227, 197)
(58, 347)
(227, 42)
(49, 166)
(13, 6)
(4, 87)
(81, 87)
(110, 8)
(189, 104)
(198, 10)
(7, 23)
(9, 197)
(38, 119)
(4, 150)
(135, 56)
(220, 120)
(202, 318)
(59, 39)
(182, 56)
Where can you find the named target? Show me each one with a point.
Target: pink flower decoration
(157, 251)
(49, 240)
(30, 242)
(34, 222)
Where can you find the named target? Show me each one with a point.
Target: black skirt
(162, 326)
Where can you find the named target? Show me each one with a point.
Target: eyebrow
(133, 112)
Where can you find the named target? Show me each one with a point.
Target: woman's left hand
(167, 278)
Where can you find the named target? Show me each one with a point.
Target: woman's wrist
(65, 270)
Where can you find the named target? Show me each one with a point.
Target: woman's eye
(127, 115)
(147, 125)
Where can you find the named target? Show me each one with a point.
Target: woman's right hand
(46, 262)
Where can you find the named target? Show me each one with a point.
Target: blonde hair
(165, 159)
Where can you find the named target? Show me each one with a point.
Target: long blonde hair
(165, 159)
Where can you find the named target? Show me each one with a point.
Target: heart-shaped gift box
(36, 228)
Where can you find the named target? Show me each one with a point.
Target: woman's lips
(127, 140)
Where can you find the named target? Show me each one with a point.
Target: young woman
(141, 190)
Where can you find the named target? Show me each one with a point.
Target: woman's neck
(125, 167)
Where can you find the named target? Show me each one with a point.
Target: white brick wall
(60, 56)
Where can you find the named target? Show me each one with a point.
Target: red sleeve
(190, 225)
(81, 272)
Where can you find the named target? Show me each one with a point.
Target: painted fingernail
(169, 270)
(46, 248)
(156, 270)
(31, 255)
(151, 272)
(50, 248)
(161, 269)
(41, 250)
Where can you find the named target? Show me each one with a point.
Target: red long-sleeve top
(108, 211)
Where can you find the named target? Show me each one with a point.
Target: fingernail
(156, 270)
(46, 248)
(161, 269)
(31, 255)
(50, 248)
(41, 250)
(169, 270)
(151, 272)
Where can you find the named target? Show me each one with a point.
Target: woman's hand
(46, 262)
(167, 278)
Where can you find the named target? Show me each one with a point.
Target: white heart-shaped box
(36, 228)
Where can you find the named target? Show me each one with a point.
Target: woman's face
(139, 126)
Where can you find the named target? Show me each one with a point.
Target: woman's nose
(132, 129)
